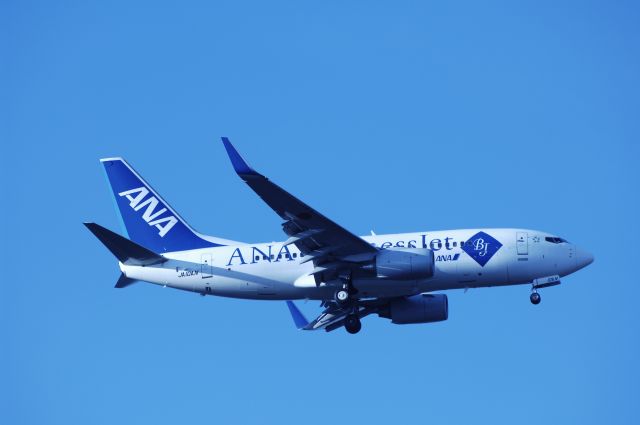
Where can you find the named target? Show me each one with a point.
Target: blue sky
(391, 116)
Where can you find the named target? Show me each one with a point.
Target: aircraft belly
(240, 288)
(385, 287)
(162, 276)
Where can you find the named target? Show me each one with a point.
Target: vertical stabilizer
(149, 220)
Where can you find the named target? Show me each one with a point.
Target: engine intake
(423, 308)
(405, 264)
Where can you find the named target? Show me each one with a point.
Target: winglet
(298, 318)
(239, 164)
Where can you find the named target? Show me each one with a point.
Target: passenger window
(295, 255)
(455, 244)
(257, 258)
(271, 256)
(264, 257)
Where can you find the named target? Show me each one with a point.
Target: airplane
(396, 276)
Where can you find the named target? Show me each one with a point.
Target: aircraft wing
(321, 239)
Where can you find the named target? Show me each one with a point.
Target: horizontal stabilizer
(124, 281)
(123, 249)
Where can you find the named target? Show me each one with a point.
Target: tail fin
(148, 220)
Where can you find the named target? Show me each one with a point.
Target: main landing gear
(344, 299)
(345, 290)
(352, 323)
(341, 296)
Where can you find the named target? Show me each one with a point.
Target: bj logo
(481, 247)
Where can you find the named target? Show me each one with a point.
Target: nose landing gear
(535, 298)
(543, 282)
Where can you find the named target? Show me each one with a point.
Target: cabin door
(522, 243)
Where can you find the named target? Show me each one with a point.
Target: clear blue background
(392, 116)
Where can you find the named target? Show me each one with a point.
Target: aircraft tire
(535, 298)
(342, 295)
(352, 324)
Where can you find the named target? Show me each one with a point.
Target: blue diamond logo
(481, 247)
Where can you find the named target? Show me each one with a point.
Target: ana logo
(137, 201)
(448, 257)
(481, 247)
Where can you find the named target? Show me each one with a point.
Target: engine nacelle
(423, 308)
(405, 264)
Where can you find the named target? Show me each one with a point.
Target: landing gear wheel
(535, 298)
(352, 324)
(342, 296)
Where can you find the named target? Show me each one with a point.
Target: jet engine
(405, 264)
(423, 308)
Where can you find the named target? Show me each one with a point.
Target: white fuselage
(273, 271)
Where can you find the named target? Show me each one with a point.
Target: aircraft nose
(583, 257)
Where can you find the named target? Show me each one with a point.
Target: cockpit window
(555, 240)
